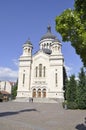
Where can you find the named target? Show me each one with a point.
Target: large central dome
(48, 35)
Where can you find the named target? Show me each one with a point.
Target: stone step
(44, 100)
(22, 99)
(35, 100)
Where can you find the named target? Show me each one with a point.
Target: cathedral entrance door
(44, 93)
(39, 93)
(34, 93)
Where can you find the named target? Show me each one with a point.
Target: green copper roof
(28, 42)
(48, 35)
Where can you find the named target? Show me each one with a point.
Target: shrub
(72, 105)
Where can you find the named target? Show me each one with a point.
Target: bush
(69, 105)
(82, 104)
(72, 105)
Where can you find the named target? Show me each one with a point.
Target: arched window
(39, 93)
(44, 70)
(44, 44)
(34, 93)
(56, 48)
(47, 45)
(40, 70)
(56, 80)
(29, 50)
(44, 93)
(23, 78)
(36, 71)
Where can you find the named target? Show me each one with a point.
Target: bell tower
(56, 65)
(25, 62)
(56, 47)
(27, 49)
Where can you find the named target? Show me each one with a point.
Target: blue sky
(23, 19)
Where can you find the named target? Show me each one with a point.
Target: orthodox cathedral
(41, 74)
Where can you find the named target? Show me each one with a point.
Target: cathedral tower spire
(25, 64)
(27, 48)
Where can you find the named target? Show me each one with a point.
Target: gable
(40, 56)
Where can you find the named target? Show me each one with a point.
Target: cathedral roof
(28, 42)
(48, 35)
(56, 40)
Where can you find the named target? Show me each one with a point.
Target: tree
(14, 90)
(81, 90)
(71, 24)
(71, 89)
(64, 81)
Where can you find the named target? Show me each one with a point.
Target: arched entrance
(34, 93)
(44, 93)
(39, 93)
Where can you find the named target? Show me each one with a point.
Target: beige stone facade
(41, 74)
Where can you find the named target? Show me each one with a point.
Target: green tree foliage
(76, 91)
(71, 24)
(71, 89)
(64, 81)
(81, 90)
(14, 90)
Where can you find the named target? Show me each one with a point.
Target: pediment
(40, 55)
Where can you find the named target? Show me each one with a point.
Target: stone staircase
(21, 99)
(44, 100)
(37, 100)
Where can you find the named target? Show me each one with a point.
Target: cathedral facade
(41, 74)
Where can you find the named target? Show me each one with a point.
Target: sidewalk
(40, 116)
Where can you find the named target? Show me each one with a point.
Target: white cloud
(68, 70)
(16, 62)
(8, 74)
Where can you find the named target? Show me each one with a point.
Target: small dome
(56, 40)
(48, 35)
(28, 42)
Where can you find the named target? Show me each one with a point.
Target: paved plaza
(40, 116)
